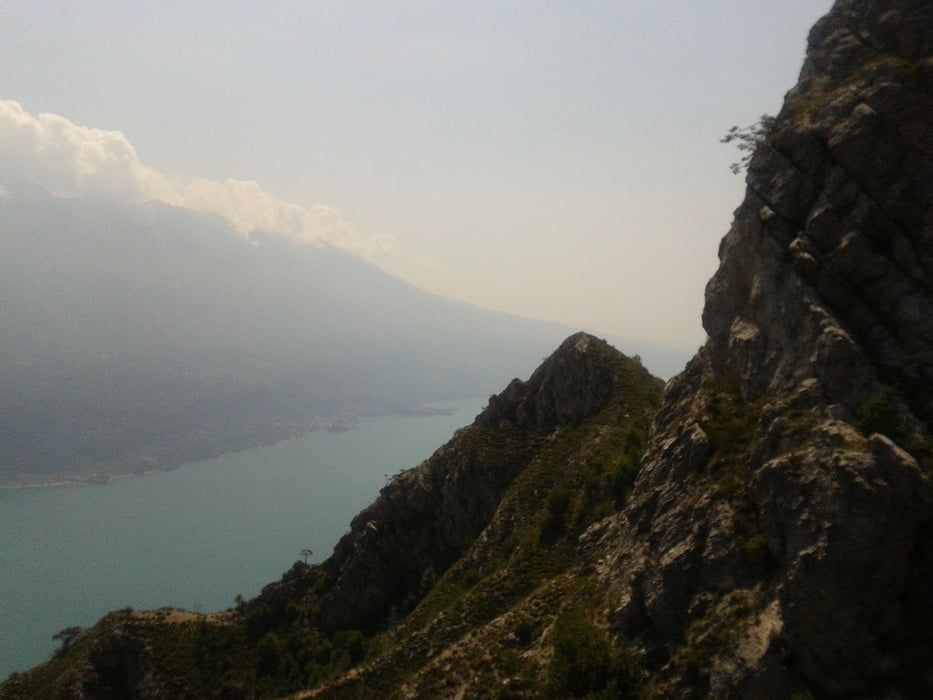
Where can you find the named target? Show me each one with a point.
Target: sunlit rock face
(778, 540)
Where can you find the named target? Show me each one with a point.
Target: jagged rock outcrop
(484, 627)
(425, 519)
(778, 539)
(574, 383)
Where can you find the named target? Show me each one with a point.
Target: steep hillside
(770, 538)
(486, 526)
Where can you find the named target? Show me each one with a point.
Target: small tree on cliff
(67, 637)
(748, 138)
(306, 554)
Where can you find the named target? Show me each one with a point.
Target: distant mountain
(137, 337)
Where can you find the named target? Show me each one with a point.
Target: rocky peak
(573, 383)
(827, 271)
(426, 517)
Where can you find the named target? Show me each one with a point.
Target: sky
(555, 160)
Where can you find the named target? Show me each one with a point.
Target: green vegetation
(887, 413)
(730, 423)
(586, 664)
(66, 638)
(556, 514)
(884, 413)
(748, 138)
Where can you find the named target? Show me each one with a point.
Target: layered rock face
(778, 540)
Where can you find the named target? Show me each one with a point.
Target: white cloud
(71, 160)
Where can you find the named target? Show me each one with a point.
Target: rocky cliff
(778, 540)
(772, 537)
(427, 517)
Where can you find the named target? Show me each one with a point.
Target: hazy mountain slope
(132, 337)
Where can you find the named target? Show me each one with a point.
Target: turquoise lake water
(194, 537)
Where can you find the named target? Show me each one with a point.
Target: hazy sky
(558, 160)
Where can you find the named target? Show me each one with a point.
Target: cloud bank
(71, 161)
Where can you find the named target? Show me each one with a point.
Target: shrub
(883, 413)
(748, 138)
(269, 650)
(886, 413)
(554, 524)
(67, 637)
(585, 661)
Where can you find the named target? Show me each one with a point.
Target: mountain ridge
(141, 337)
(408, 552)
(758, 529)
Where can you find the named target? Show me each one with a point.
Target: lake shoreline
(98, 479)
(194, 538)
(290, 432)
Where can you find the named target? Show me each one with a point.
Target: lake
(194, 537)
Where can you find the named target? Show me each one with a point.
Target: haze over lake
(195, 537)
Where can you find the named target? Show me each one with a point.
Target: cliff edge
(778, 540)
